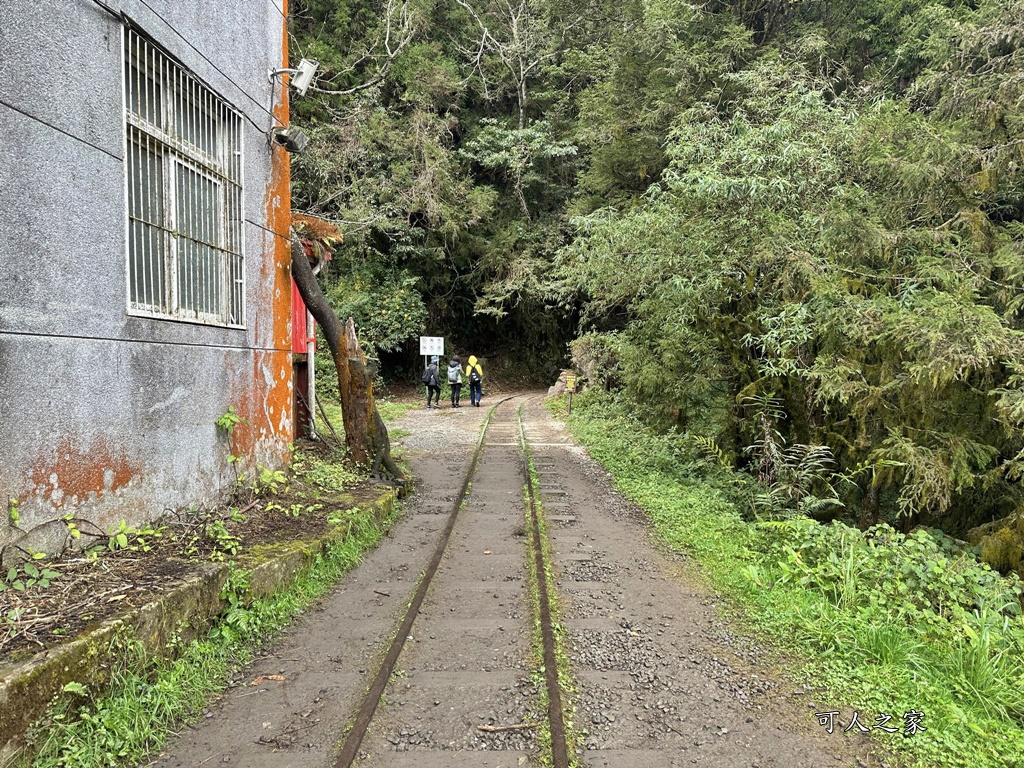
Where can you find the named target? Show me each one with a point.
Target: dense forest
(789, 231)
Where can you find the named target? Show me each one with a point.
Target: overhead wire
(267, 229)
(60, 130)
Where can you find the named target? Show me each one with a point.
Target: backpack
(454, 374)
(428, 376)
(474, 375)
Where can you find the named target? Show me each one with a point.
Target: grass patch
(883, 623)
(148, 700)
(332, 409)
(389, 410)
(325, 473)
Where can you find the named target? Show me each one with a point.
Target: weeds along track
(558, 742)
(473, 663)
(449, 647)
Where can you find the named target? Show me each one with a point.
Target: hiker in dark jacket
(432, 378)
(455, 379)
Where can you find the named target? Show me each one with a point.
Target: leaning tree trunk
(870, 505)
(365, 433)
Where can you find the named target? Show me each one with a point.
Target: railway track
(449, 648)
(503, 450)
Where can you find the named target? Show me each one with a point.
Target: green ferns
(148, 698)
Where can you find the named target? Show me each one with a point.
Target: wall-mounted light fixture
(291, 139)
(302, 76)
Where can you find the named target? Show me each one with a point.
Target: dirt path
(660, 681)
(329, 655)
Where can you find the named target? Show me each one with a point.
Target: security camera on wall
(306, 69)
(302, 75)
(292, 139)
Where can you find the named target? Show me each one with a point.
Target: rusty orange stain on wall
(246, 397)
(69, 472)
(262, 394)
(279, 215)
(266, 405)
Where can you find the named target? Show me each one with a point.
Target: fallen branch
(497, 728)
(327, 421)
(228, 512)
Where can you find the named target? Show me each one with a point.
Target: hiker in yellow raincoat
(475, 374)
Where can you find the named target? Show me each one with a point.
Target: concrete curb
(187, 611)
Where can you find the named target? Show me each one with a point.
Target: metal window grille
(183, 163)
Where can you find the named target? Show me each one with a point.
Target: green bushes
(919, 602)
(882, 621)
(922, 577)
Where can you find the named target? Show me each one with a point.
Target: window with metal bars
(183, 164)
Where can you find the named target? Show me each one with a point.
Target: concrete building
(144, 260)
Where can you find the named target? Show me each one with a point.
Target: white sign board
(432, 345)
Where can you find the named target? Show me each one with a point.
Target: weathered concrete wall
(103, 414)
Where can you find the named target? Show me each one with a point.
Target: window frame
(181, 92)
(174, 163)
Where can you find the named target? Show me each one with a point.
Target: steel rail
(354, 739)
(556, 718)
